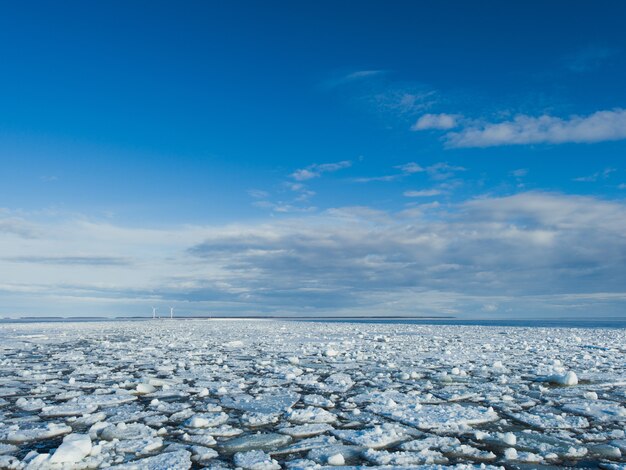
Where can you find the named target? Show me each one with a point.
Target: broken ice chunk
(74, 448)
(311, 414)
(377, 437)
(206, 420)
(179, 460)
(261, 441)
(39, 433)
(255, 460)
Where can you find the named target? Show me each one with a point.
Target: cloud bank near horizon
(549, 253)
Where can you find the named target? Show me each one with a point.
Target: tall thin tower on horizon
(171, 313)
(154, 311)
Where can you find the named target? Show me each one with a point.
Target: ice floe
(309, 395)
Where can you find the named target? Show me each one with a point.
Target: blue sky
(313, 158)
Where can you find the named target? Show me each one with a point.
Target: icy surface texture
(269, 394)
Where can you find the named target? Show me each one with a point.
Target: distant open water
(613, 324)
(531, 323)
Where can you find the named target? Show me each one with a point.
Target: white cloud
(330, 167)
(304, 174)
(316, 170)
(443, 170)
(405, 170)
(49, 178)
(423, 193)
(441, 121)
(533, 251)
(403, 101)
(285, 207)
(362, 74)
(436, 171)
(17, 226)
(359, 75)
(384, 178)
(604, 174)
(410, 168)
(523, 129)
(258, 194)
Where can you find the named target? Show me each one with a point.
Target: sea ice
(255, 460)
(375, 438)
(74, 448)
(310, 395)
(261, 441)
(311, 414)
(179, 460)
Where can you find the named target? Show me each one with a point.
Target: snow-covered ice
(272, 394)
(75, 447)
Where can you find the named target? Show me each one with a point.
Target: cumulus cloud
(529, 244)
(316, 170)
(540, 251)
(523, 129)
(441, 121)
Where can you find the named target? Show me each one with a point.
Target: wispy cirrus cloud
(410, 168)
(258, 193)
(604, 174)
(436, 171)
(49, 178)
(600, 126)
(285, 207)
(383, 94)
(405, 170)
(383, 178)
(443, 170)
(317, 169)
(423, 193)
(296, 186)
(351, 77)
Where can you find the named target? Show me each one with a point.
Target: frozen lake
(276, 394)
